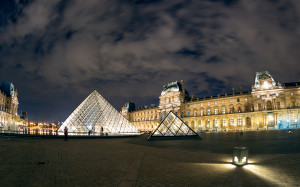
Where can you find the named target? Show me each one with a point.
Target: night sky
(56, 52)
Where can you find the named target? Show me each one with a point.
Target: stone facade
(9, 117)
(269, 105)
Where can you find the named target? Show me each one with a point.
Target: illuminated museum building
(9, 117)
(269, 105)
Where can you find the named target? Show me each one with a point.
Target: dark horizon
(57, 52)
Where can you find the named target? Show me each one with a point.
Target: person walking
(66, 133)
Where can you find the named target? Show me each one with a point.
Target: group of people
(89, 133)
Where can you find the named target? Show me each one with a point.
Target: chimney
(183, 90)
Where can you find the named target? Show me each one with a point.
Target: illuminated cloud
(56, 52)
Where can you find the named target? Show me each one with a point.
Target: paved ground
(275, 157)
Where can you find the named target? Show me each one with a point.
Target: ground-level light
(240, 156)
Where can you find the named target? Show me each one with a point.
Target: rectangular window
(201, 113)
(230, 101)
(188, 106)
(207, 103)
(231, 121)
(223, 102)
(188, 114)
(216, 111)
(208, 112)
(194, 105)
(195, 113)
(216, 102)
(246, 99)
(238, 100)
(239, 121)
(223, 111)
(201, 104)
(224, 122)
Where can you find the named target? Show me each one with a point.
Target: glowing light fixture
(240, 156)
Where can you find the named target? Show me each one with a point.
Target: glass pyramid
(95, 114)
(172, 125)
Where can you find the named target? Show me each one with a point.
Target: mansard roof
(7, 88)
(263, 75)
(174, 86)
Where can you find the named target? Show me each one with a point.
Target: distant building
(9, 117)
(269, 105)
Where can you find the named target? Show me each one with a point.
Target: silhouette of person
(66, 133)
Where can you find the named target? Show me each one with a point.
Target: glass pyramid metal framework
(172, 125)
(95, 114)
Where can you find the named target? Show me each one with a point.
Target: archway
(269, 105)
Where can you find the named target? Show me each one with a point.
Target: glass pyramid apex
(95, 114)
(172, 125)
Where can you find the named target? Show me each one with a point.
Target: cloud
(128, 49)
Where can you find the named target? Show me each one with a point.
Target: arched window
(223, 123)
(269, 105)
(216, 123)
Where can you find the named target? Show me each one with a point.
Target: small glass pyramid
(172, 125)
(95, 114)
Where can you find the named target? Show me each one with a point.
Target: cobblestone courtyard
(37, 161)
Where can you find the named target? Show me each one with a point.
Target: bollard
(240, 155)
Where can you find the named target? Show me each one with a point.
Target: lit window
(208, 123)
(239, 121)
(292, 93)
(230, 100)
(222, 101)
(268, 95)
(208, 112)
(277, 94)
(224, 122)
(194, 105)
(201, 113)
(195, 113)
(246, 99)
(201, 104)
(216, 111)
(231, 121)
(216, 102)
(223, 110)
(258, 96)
(207, 103)
(216, 122)
(188, 106)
